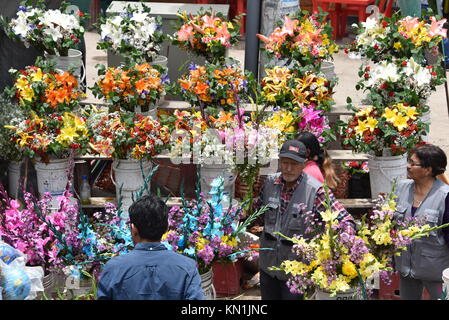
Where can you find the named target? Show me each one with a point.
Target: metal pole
(439, 8)
(252, 42)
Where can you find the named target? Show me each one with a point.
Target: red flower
(376, 47)
(384, 85)
(384, 24)
(391, 93)
(366, 75)
(80, 13)
(404, 63)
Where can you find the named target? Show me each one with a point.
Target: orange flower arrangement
(41, 89)
(215, 85)
(129, 87)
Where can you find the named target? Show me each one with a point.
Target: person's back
(150, 272)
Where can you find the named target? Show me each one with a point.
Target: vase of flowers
(134, 87)
(305, 40)
(135, 35)
(207, 231)
(206, 34)
(398, 37)
(330, 258)
(387, 134)
(131, 140)
(54, 31)
(42, 90)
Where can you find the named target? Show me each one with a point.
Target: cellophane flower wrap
(330, 256)
(125, 135)
(131, 86)
(216, 87)
(401, 80)
(54, 136)
(208, 34)
(398, 37)
(54, 31)
(41, 89)
(396, 127)
(304, 39)
(208, 232)
(387, 233)
(11, 113)
(134, 33)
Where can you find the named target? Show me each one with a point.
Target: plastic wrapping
(18, 282)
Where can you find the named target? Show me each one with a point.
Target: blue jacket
(150, 272)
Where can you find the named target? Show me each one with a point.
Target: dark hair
(149, 214)
(312, 143)
(431, 156)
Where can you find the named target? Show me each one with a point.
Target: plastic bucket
(163, 62)
(410, 7)
(13, 178)
(446, 283)
(52, 177)
(328, 69)
(425, 118)
(207, 285)
(128, 176)
(347, 295)
(211, 172)
(74, 59)
(383, 171)
(152, 112)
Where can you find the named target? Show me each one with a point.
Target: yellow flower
(67, 136)
(349, 269)
(364, 112)
(329, 215)
(27, 94)
(381, 235)
(371, 123)
(400, 122)
(390, 115)
(294, 267)
(361, 128)
(201, 243)
(37, 76)
(397, 45)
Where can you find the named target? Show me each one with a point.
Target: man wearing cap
(284, 193)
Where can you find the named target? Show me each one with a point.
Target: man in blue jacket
(150, 271)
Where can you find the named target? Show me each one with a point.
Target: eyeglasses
(414, 164)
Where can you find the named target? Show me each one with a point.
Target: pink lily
(436, 28)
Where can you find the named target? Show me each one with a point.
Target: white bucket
(425, 118)
(383, 171)
(446, 283)
(75, 59)
(13, 178)
(347, 295)
(52, 176)
(328, 69)
(211, 172)
(163, 62)
(152, 112)
(207, 285)
(128, 174)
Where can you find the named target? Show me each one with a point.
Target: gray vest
(289, 223)
(425, 258)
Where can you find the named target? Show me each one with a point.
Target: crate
(227, 278)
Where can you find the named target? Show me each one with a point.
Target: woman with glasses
(424, 196)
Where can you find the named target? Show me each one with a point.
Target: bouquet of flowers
(305, 39)
(206, 34)
(51, 30)
(387, 234)
(205, 231)
(397, 37)
(354, 167)
(216, 86)
(126, 135)
(25, 228)
(130, 87)
(290, 90)
(11, 112)
(134, 34)
(396, 127)
(42, 90)
(402, 80)
(53, 136)
(334, 260)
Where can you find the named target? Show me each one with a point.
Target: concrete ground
(345, 69)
